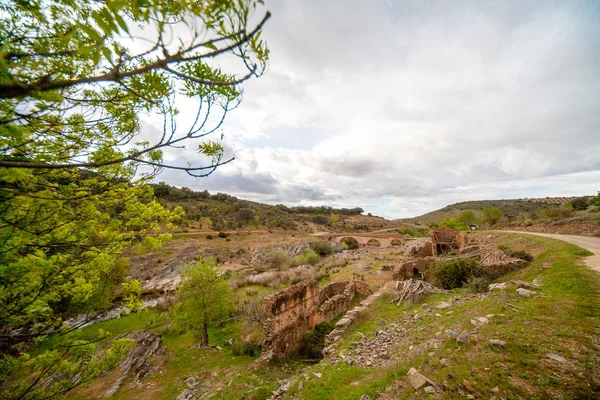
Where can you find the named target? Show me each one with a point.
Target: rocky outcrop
(297, 309)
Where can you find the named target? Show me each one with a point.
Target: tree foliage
(491, 215)
(468, 217)
(77, 79)
(204, 297)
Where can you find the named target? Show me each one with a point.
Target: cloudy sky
(402, 107)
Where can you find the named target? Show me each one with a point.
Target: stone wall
(297, 309)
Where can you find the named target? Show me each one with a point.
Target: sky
(403, 107)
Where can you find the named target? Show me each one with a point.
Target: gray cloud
(403, 106)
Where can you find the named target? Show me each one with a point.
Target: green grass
(564, 319)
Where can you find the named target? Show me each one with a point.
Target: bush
(520, 254)
(350, 243)
(491, 215)
(313, 342)
(277, 259)
(468, 217)
(321, 220)
(453, 224)
(209, 237)
(223, 235)
(239, 348)
(308, 257)
(580, 203)
(555, 212)
(455, 273)
(479, 284)
(322, 247)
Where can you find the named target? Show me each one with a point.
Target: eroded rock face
(297, 309)
(137, 363)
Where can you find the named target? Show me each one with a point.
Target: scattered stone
(300, 385)
(523, 284)
(546, 265)
(415, 379)
(468, 385)
(430, 390)
(495, 390)
(364, 397)
(443, 305)
(525, 292)
(438, 315)
(500, 286)
(191, 382)
(537, 282)
(464, 337)
(444, 361)
(497, 343)
(187, 394)
(343, 323)
(318, 374)
(555, 357)
(355, 384)
(451, 333)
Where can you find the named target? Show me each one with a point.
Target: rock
(464, 337)
(468, 385)
(495, 390)
(343, 323)
(500, 286)
(430, 390)
(451, 333)
(355, 384)
(497, 343)
(187, 394)
(443, 305)
(364, 397)
(191, 382)
(444, 361)
(318, 374)
(537, 282)
(300, 385)
(555, 357)
(546, 265)
(525, 292)
(415, 379)
(369, 363)
(438, 315)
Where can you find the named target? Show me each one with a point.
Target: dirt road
(590, 243)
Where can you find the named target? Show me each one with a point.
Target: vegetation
(468, 217)
(452, 223)
(491, 215)
(204, 297)
(322, 247)
(455, 273)
(314, 342)
(74, 198)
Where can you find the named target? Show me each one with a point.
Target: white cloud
(405, 106)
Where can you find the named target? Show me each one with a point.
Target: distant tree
(204, 297)
(491, 215)
(580, 203)
(452, 223)
(334, 220)
(468, 217)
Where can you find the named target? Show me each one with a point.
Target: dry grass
(274, 279)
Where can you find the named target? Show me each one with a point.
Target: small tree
(492, 215)
(468, 217)
(334, 220)
(204, 297)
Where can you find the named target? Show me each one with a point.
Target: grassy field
(563, 319)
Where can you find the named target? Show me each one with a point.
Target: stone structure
(446, 239)
(416, 266)
(363, 239)
(296, 310)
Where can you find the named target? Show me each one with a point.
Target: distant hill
(220, 211)
(510, 207)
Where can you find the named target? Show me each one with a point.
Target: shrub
(322, 247)
(223, 235)
(556, 212)
(240, 348)
(277, 259)
(479, 284)
(313, 342)
(580, 203)
(209, 237)
(468, 217)
(321, 220)
(308, 257)
(523, 255)
(491, 215)
(350, 243)
(453, 223)
(453, 274)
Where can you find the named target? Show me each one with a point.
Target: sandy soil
(589, 243)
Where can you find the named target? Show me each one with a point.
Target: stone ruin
(444, 240)
(296, 310)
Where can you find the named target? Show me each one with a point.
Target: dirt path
(590, 243)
